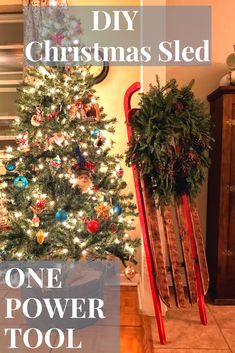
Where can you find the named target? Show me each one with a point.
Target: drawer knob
(227, 252)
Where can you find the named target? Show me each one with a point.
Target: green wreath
(170, 141)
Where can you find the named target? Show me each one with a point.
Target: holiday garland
(170, 141)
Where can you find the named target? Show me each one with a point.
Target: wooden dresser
(221, 198)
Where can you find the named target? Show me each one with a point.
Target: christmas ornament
(83, 181)
(58, 138)
(102, 210)
(129, 272)
(24, 144)
(120, 172)
(99, 141)
(56, 163)
(2, 254)
(90, 166)
(95, 133)
(84, 219)
(93, 226)
(113, 228)
(35, 221)
(93, 112)
(61, 216)
(73, 112)
(10, 166)
(40, 237)
(57, 38)
(5, 227)
(39, 207)
(117, 209)
(37, 118)
(82, 111)
(51, 116)
(20, 182)
(79, 157)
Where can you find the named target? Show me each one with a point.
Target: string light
(19, 255)
(41, 166)
(76, 240)
(117, 241)
(9, 149)
(18, 214)
(29, 232)
(39, 133)
(65, 251)
(52, 203)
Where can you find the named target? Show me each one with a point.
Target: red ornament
(41, 204)
(90, 166)
(39, 207)
(57, 38)
(113, 228)
(95, 188)
(93, 226)
(84, 219)
(51, 116)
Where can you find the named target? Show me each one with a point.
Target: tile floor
(185, 334)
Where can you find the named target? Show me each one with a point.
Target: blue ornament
(10, 166)
(79, 157)
(117, 210)
(2, 254)
(20, 182)
(95, 133)
(61, 216)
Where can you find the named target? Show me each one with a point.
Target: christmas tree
(63, 186)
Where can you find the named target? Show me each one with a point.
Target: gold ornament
(102, 211)
(40, 237)
(129, 272)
